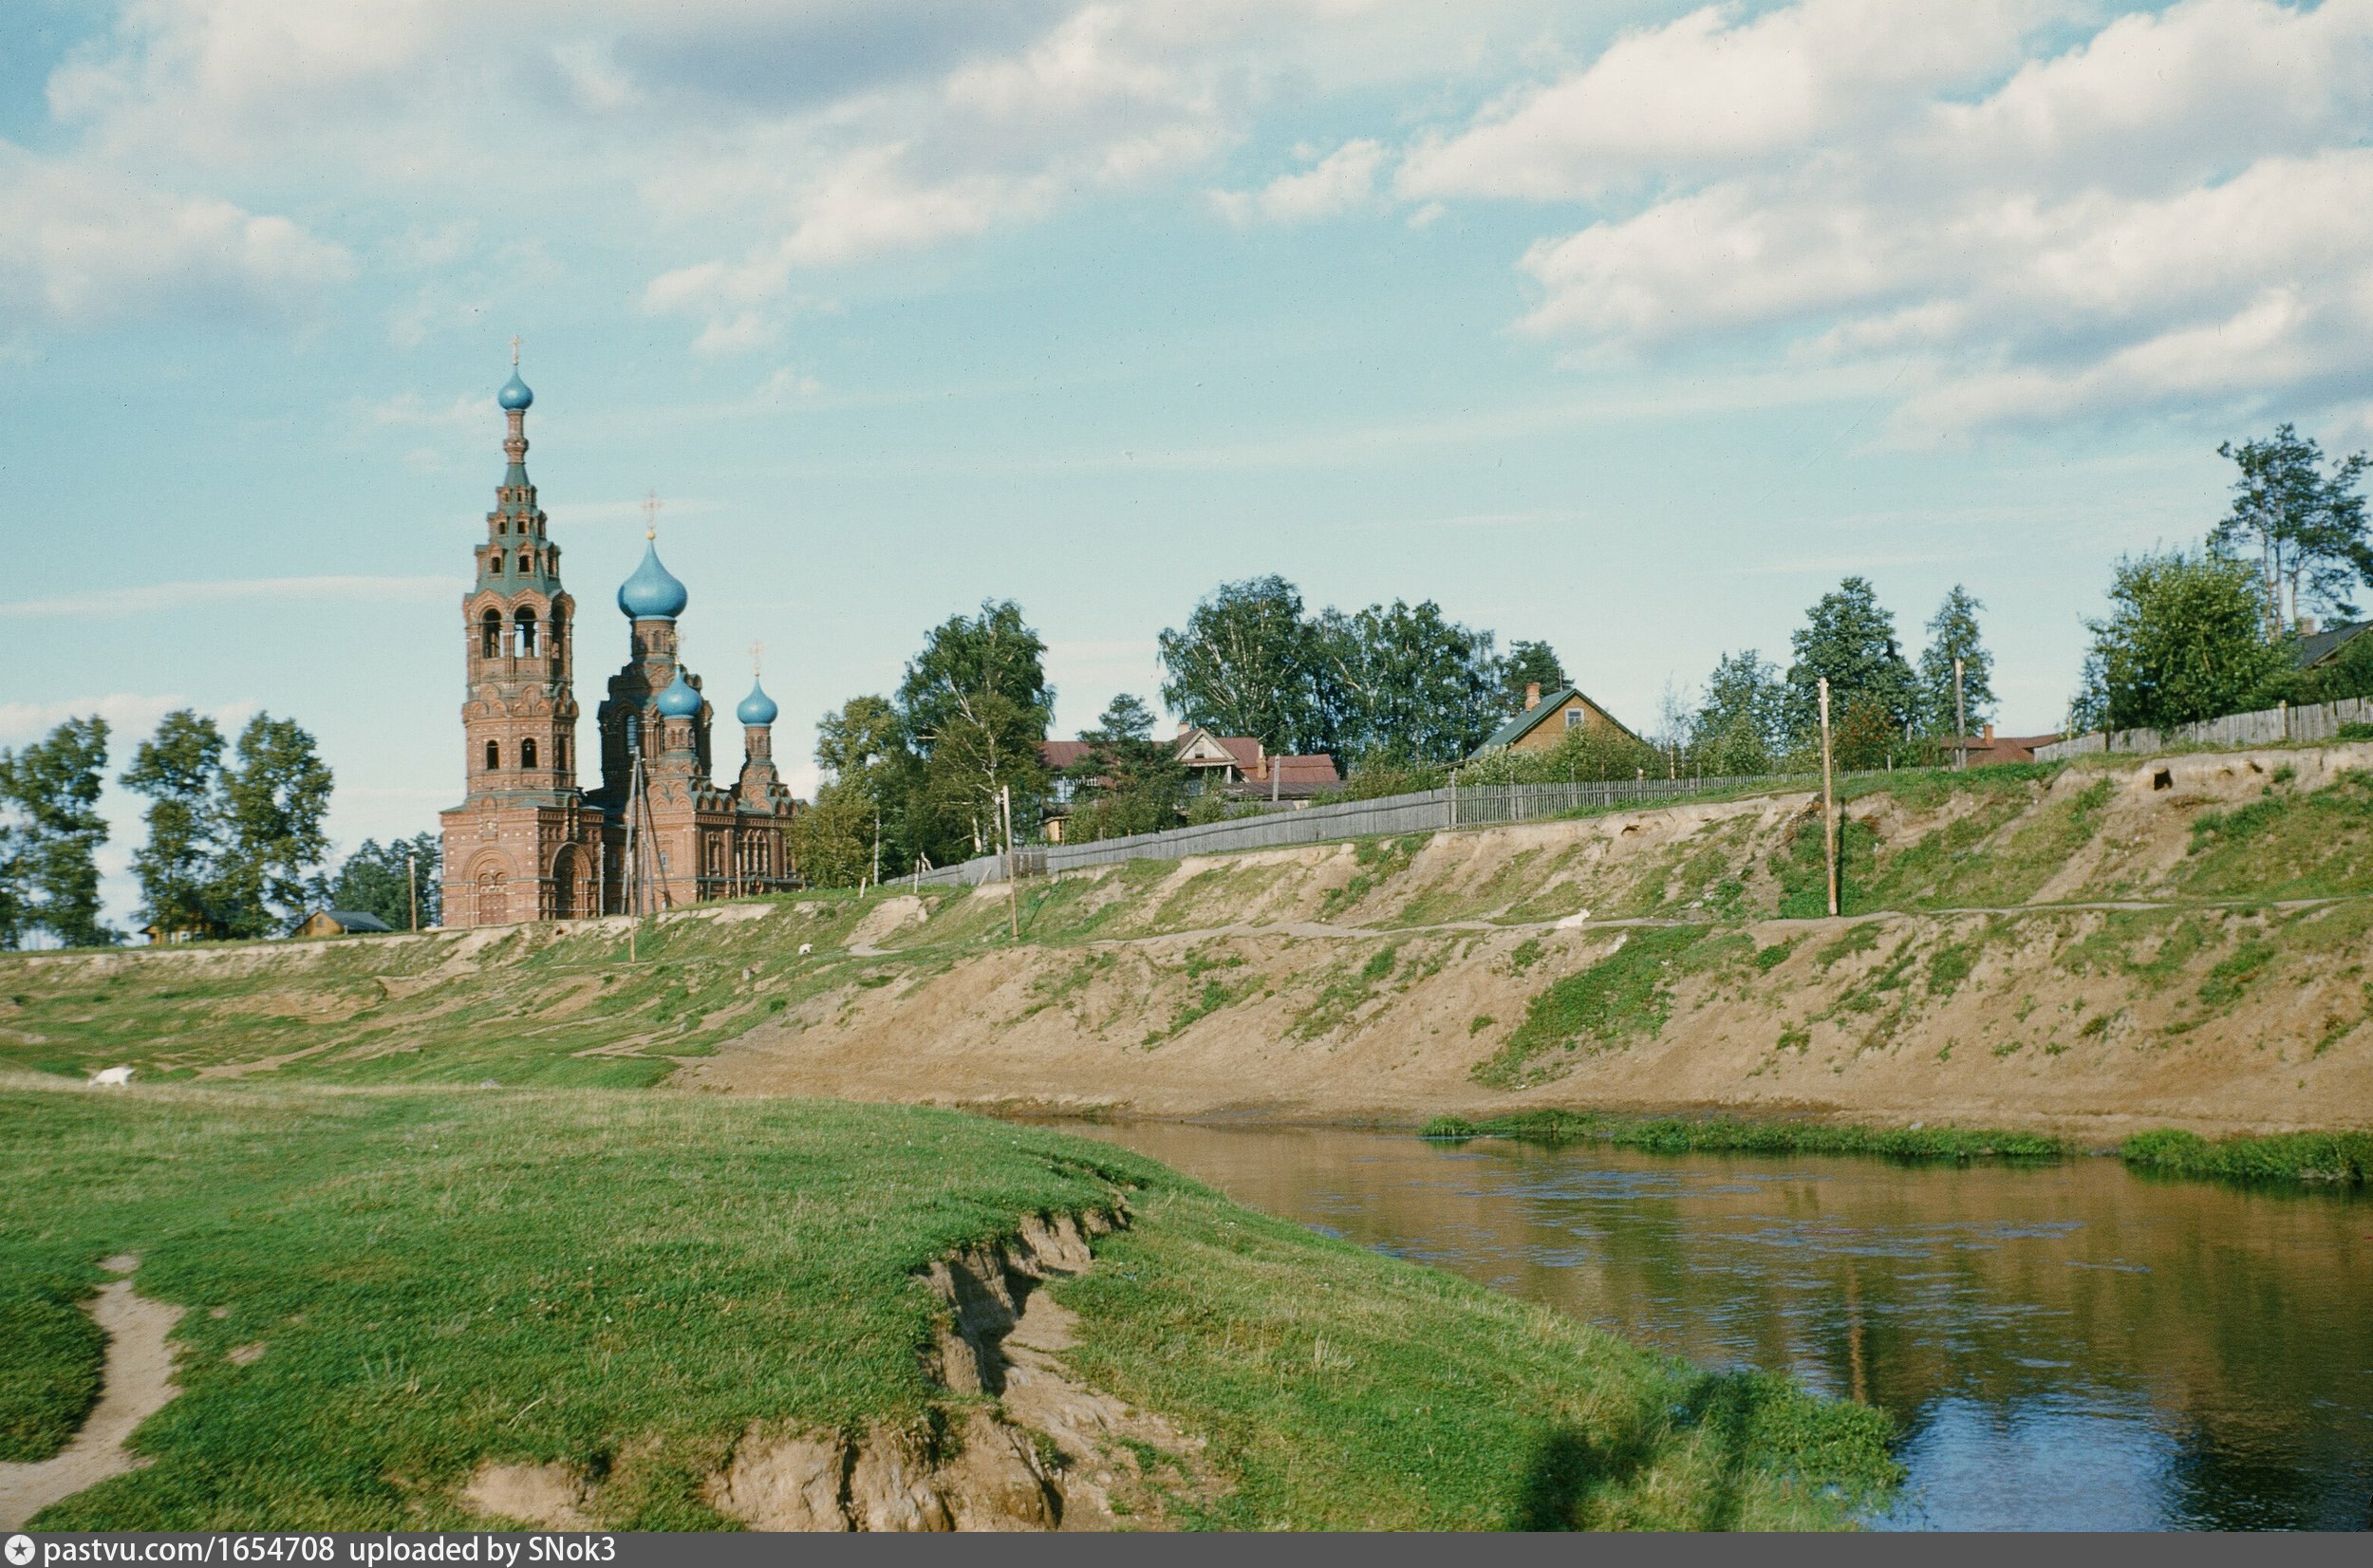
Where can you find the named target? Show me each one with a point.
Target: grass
(626, 1281)
(1625, 996)
(2343, 1158)
(1682, 1135)
(50, 1376)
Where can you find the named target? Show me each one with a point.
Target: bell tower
(512, 848)
(519, 719)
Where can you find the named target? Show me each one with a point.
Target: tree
(1126, 781)
(1527, 664)
(863, 751)
(974, 707)
(1742, 722)
(1849, 637)
(52, 790)
(1245, 663)
(1952, 634)
(1402, 685)
(2307, 528)
(381, 880)
(2184, 640)
(180, 769)
(273, 800)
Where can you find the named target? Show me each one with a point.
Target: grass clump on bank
(1625, 996)
(422, 1280)
(2341, 1158)
(1718, 1134)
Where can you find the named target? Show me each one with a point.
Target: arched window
(527, 755)
(524, 644)
(491, 634)
(493, 755)
(527, 562)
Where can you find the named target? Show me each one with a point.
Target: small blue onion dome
(679, 700)
(757, 708)
(514, 394)
(652, 593)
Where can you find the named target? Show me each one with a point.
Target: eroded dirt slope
(2093, 949)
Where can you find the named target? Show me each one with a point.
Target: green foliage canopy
(2184, 640)
(49, 847)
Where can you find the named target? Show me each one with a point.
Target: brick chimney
(1989, 734)
(1532, 695)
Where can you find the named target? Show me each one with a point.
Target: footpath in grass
(419, 1280)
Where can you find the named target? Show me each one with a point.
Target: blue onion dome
(757, 708)
(679, 700)
(514, 394)
(652, 593)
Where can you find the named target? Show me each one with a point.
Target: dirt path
(137, 1383)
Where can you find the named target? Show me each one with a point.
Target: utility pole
(412, 884)
(1828, 801)
(1960, 722)
(1013, 901)
(877, 844)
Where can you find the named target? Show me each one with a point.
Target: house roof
(1531, 718)
(1058, 755)
(1317, 769)
(356, 920)
(2002, 748)
(2316, 648)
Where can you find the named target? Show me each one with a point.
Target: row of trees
(235, 841)
(2194, 634)
(916, 776)
(1389, 685)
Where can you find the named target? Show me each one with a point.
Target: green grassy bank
(1682, 1135)
(419, 1280)
(2341, 1159)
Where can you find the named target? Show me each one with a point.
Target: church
(527, 843)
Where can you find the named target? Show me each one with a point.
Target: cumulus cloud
(2175, 210)
(1343, 179)
(81, 247)
(1713, 89)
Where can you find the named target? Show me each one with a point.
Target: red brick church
(527, 843)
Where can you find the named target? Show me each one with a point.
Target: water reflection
(2066, 1345)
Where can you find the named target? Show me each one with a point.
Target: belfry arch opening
(493, 755)
(527, 755)
(491, 635)
(523, 639)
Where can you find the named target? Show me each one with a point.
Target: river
(2065, 1345)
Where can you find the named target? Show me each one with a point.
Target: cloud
(149, 598)
(1344, 179)
(741, 334)
(2175, 211)
(83, 245)
(1712, 90)
(129, 715)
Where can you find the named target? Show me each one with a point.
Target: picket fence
(1425, 811)
(2266, 727)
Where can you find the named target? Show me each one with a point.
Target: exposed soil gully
(137, 1383)
(1031, 1448)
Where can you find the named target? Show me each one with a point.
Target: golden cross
(757, 653)
(515, 350)
(651, 503)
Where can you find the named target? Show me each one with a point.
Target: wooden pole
(1960, 720)
(1828, 801)
(1013, 901)
(412, 880)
